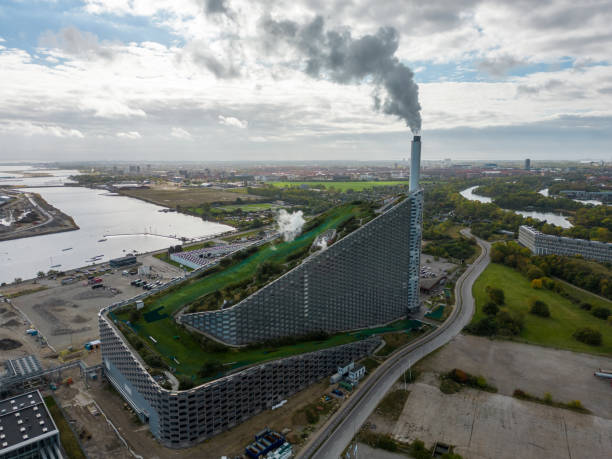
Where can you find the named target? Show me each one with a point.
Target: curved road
(331, 440)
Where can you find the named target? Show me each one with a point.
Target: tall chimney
(415, 163)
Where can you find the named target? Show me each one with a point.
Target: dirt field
(484, 425)
(67, 314)
(76, 402)
(508, 366)
(185, 197)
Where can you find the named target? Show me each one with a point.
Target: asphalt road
(331, 440)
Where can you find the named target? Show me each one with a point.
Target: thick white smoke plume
(290, 224)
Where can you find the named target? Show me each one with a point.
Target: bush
(588, 336)
(509, 323)
(586, 306)
(601, 313)
(548, 398)
(154, 361)
(539, 308)
(210, 369)
(185, 382)
(575, 405)
(490, 308)
(496, 295)
(418, 450)
(487, 326)
(536, 283)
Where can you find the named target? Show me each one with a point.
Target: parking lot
(67, 315)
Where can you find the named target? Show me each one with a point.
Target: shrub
(588, 336)
(210, 369)
(575, 405)
(496, 295)
(539, 308)
(490, 308)
(185, 382)
(135, 316)
(601, 313)
(418, 450)
(487, 326)
(586, 306)
(536, 283)
(548, 398)
(509, 323)
(154, 361)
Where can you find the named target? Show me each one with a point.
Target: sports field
(565, 317)
(341, 186)
(173, 342)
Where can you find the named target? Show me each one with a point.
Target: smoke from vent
(335, 54)
(290, 224)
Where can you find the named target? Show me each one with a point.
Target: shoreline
(58, 221)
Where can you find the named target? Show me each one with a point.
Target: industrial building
(368, 277)
(547, 244)
(123, 261)
(27, 429)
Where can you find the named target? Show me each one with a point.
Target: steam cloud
(290, 225)
(346, 60)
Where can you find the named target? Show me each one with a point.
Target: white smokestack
(415, 163)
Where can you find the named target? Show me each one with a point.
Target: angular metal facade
(367, 278)
(180, 419)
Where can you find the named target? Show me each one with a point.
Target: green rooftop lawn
(174, 341)
(565, 317)
(341, 186)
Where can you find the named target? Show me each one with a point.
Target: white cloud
(234, 122)
(28, 128)
(180, 133)
(132, 135)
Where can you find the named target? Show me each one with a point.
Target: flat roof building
(547, 244)
(27, 429)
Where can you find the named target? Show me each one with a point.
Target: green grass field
(555, 331)
(247, 207)
(342, 186)
(173, 341)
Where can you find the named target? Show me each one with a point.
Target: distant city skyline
(206, 80)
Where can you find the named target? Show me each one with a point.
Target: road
(331, 440)
(41, 210)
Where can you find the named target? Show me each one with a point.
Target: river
(121, 220)
(544, 192)
(550, 217)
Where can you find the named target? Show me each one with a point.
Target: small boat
(56, 266)
(102, 240)
(69, 248)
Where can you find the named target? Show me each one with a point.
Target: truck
(32, 331)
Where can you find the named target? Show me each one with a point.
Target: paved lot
(537, 370)
(483, 425)
(68, 314)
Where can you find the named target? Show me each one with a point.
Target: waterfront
(100, 215)
(550, 217)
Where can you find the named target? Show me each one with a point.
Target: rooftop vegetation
(196, 358)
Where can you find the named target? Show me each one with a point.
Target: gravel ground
(537, 370)
(484, 425)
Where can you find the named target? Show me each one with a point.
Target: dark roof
(24, 419)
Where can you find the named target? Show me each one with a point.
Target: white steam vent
(290, 224)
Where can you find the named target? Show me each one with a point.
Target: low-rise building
(27, 429)
(547, 244)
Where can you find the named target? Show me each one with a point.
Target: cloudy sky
(234, 79)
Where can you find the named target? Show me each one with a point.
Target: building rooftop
(23, 366)
(24, 419)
